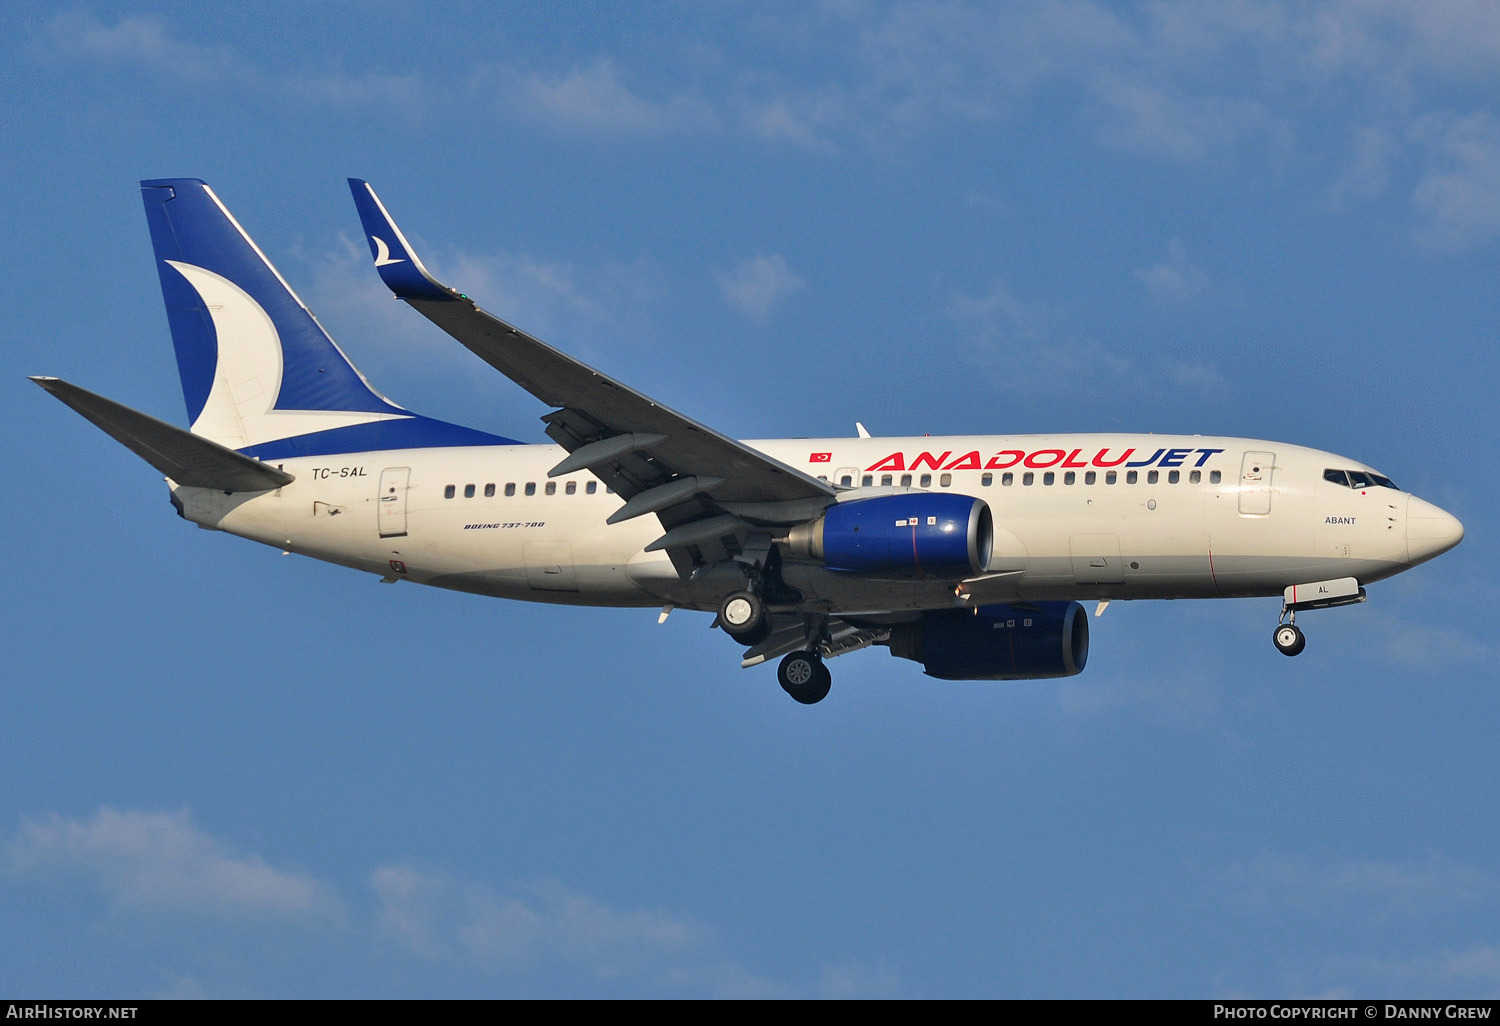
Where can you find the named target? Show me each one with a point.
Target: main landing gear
(743, 617)
(804, 677)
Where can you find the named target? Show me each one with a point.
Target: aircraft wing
(659, 460)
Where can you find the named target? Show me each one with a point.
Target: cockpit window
(1359, 479)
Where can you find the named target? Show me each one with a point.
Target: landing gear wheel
(755, 635)
(743, 617)
(804, 677)
(1289, 639)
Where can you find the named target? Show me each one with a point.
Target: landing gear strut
(804, 677)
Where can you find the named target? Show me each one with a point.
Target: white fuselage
(1076, 516)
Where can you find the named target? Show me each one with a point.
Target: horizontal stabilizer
(186, 458)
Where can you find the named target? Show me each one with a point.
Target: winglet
(397, 262)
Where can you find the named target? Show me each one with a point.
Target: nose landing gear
(1344, 591)
(1289, 639)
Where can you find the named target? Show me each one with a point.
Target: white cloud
(1368, 888)
(546, 924)
(593, 100)
(1182, 699)
(1203, 378)
(759, 285)
(1470, 970)
(1026, 355)
(1428, 646)
(1458, 196)
(1478, 962)
(1031, 354)
(145, 42)
(544, 934)
(556, 300)
(1174, 280)
(1367, 176)
(1150, 120)
(438, 917)
(160, 861)
(801, 119)
(1451, 39)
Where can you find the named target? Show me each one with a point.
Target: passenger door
(1255, 483)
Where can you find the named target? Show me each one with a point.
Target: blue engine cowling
(1022, 642)
(913, 534)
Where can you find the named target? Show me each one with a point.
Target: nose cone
(1430, 531)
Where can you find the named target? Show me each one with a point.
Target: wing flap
(186, 458)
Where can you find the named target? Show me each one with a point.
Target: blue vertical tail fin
(259, 373)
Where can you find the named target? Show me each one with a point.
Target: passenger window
(571, 487)
(867, 480)
(489, 491)
(530, 487)
(1027, 478)
(468, 491)
(591, 487)
(905, 480)
(1048, 478)
(1070, 477)
(885, 479)
(823, 478)
(609, 489)
(1196, 477)
(847, 480)
(946, 480)
(510, 488)
(1214, 477)
(551, 488)
(1110, 477)
(1090, 477)
(987, 480)
(1152, 476)
(926, 480)
(1007, 479)
(1130, 477)
(1173, 476)
(450, 491)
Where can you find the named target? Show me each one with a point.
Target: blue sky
(230, 773)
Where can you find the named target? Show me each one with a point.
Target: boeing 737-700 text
(969, 555)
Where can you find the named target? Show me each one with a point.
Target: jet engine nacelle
(1021, 642)
(912, 534)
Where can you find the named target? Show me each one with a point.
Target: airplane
(969, 555)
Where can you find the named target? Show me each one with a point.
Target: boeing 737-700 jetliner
(969, 555)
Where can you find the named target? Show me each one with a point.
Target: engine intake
(1031, 641)
(913, 534)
